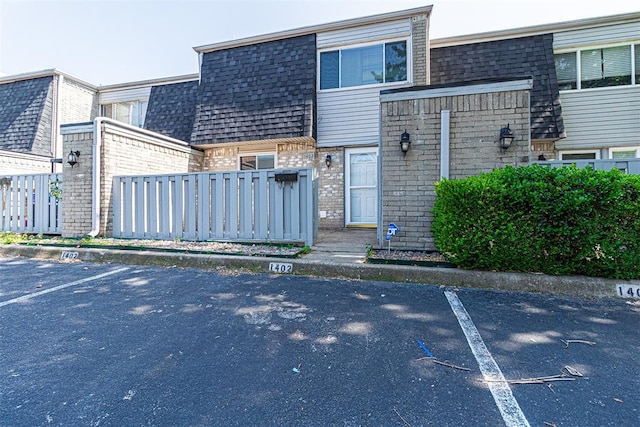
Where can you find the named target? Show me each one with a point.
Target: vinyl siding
(125, 95)
(352, 116)
(601, 118)
(349, 117)
(597, 36)
(363, 34)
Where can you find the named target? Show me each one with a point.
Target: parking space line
(507, 404)
(66, 285)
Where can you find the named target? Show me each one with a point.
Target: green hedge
(561, 221)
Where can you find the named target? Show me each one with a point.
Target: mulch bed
(213, 248)
(408, 257)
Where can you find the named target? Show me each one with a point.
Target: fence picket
(237, 205)
(27, 205)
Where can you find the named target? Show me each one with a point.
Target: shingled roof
(25, 115)
(257, 92)
(523, 56)
(171, 109)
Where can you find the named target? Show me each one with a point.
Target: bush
(537, 219)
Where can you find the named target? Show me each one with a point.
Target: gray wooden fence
(267, 205)
(631, 166)
(31, 203)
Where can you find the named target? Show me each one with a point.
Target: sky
(117, 41)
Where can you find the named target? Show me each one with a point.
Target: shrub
(537, 219)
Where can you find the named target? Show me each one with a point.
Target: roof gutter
(340, 25)
(535, 30)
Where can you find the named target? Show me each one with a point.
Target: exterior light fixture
(72, 157)
(327, 160)
(506, 137)
(405, 141)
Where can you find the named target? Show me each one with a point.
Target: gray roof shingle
(171, 109)
(26, 108)
(523, 56)
(257, 92)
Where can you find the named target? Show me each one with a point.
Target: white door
(361, 186)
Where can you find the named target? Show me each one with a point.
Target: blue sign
(393, 229)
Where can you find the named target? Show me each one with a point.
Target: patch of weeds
(369, 250)
(305, 250)
(8, 238)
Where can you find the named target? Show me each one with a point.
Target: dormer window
(364, 65)
(130, 112)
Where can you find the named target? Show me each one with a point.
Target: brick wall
(420, 53)
(330, 188)
(12, 163)
(289, 155)
(77, 184)
(125, 150)
(408, 181)
(78, 102)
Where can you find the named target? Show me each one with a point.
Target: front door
(361, 186)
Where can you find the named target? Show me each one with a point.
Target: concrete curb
(579, 286)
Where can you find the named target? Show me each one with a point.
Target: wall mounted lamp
(327, 160)
(405, 141)
(506, 137)
(72, 157)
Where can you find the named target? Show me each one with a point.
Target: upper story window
(365, 65)
(131, 112)
(600, 67)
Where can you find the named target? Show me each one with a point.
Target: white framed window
(624, 152)
(363, 65)
(249, 161)
(598, 66)
(130, 112)
(580, 155)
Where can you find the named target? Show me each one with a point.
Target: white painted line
(507, 404)
(57, 288)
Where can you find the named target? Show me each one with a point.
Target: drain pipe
(96, 182)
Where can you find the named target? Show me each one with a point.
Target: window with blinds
(599, 67)
(605, 67)
(364, 65)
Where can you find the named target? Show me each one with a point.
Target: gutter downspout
(96, 182)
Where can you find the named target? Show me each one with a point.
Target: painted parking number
(628, 291)
(280, 267)
(69, 255)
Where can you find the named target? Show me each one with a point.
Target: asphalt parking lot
(88, 344)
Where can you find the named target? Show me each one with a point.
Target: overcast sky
(106, 42)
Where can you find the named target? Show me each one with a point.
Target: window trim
(630, 148)
(256, 154)
(406, 39)
(562, 153)
(576, 52)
